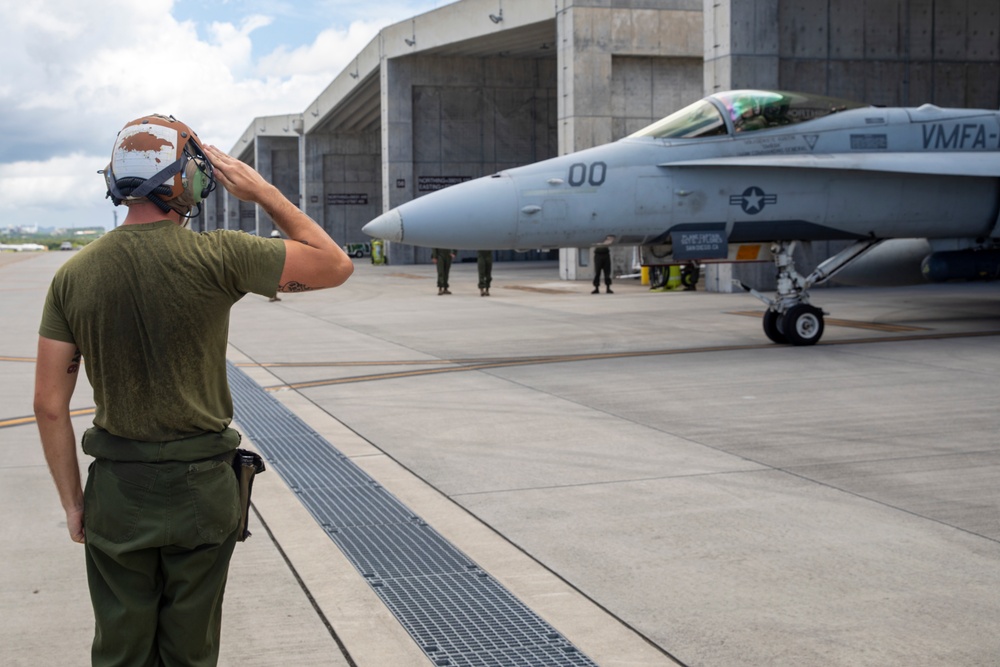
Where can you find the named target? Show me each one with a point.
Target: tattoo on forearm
(293, 286)
(75, 366)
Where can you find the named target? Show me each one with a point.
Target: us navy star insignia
(753, 200)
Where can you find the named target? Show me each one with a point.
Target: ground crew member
(484, 262)
(146, 306)
(602, 262)
(442, 257)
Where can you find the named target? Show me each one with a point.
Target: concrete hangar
(478, 86)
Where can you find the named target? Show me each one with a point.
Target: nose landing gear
(790, 318)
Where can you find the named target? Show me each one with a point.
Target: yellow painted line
(514, 362)
(540, 290)
(853, 324)
(529, 361)
(21, 421)
(408, 276)
(29, 360)
(349, 364)
(872, 326)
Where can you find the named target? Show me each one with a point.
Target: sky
(73, 73)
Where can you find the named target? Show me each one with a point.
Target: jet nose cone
(468, 216)
(388, 226)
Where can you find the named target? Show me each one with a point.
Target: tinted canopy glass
(701, 119)
(747, 110)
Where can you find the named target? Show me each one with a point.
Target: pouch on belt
(246, 464)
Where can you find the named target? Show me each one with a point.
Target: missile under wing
(747, 166)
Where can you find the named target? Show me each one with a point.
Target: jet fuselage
(857, 173)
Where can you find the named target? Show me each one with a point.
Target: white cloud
(328, 55)
(232, 45)
(75, 72)
(62, 191)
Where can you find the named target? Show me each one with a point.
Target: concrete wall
(213, 212)
(448, 119)
(645, 89)
(343, 182)
(278, 158)
(623, 65)
(270, 145)
(209, 217)
(887, 52)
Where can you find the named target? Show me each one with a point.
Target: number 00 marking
(580, 173)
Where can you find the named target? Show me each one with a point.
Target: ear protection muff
(198, 180)
(195, 182)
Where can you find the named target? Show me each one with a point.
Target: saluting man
(146, 307)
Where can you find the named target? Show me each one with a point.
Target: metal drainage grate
(458, 614)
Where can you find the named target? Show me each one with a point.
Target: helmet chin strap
(147, 189)
(155, 181)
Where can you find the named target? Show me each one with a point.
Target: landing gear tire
(802, 325)
(771, 329)
(689, 276)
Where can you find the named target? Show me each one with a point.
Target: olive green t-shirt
(148, 307)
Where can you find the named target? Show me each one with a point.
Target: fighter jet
(748, 167)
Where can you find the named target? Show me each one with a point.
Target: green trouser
(602, 262)
(443, 268)
(161, 524)
(484, 262)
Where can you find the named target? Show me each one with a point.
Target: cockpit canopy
(745, 111)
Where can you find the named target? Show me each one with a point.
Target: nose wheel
(771, 328)
(801, 324)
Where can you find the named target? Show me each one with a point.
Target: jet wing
(985, 164)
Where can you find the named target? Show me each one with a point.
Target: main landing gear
(790, 318)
